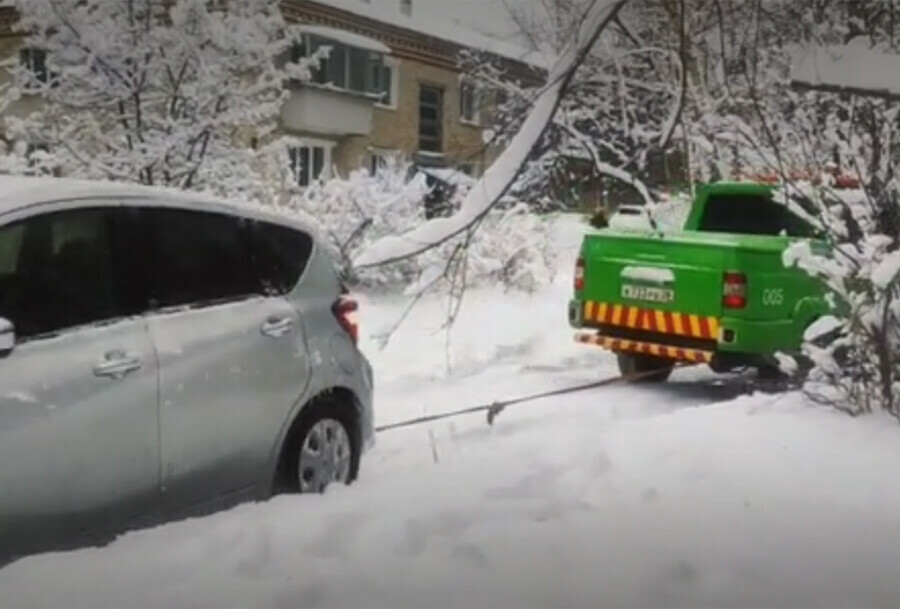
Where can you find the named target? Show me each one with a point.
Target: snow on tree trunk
(501, 174)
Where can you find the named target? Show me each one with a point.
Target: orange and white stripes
(663, 322)
(622, 345)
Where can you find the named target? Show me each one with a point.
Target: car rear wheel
(322, 450)
(657, 369)
(325, 456)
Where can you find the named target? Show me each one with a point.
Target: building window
(346, 67)
(311, 162)
(406, 7)
(378, 159)
(468, 103)
(376, 163)
(35, 61)
(430, 119)
(385, 76)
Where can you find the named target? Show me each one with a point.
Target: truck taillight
(579, 274)
(343, 310)
(734, 291)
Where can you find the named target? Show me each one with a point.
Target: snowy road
(677, 495)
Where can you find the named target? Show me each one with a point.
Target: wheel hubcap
(324, 456)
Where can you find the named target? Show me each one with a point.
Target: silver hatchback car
(164, 355)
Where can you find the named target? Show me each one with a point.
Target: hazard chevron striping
(632, 346)
(663, 322)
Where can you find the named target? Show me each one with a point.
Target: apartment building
(390, 86)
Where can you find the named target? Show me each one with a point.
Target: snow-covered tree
(171, 92)
(510, 249)
(617, 116)
(810, 140)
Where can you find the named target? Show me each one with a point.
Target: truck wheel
(633, 363)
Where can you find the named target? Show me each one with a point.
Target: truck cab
(716, 292)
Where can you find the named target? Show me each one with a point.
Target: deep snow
(677, 495)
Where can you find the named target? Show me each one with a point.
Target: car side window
(56, 272)
(280, 255)
(198, 258)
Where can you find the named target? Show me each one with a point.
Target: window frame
(438, 139)
(391, 66)
(295, 154)
(469, 89)
(34, 60)
(339, 74)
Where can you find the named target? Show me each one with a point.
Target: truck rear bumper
(620, 345)
(724, 343)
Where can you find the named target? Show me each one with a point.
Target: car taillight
(579, 274)
(734, 291)
(343, 309)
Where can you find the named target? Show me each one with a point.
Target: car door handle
(277, 327)
(117, 364)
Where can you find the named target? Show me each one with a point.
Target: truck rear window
(751, 215)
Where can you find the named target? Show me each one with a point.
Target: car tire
(634, 363)
(323, 448)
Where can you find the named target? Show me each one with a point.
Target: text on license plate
(647, 293)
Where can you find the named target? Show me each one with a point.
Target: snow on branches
(617, 114)
(510, 248)
(853, 348)
(504, 171)
(165, 93)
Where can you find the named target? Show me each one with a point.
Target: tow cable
(495, 408)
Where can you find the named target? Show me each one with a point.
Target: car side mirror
(7, 336)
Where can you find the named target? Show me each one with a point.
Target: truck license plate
(647, 293)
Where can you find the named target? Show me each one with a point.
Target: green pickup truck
(715, 292)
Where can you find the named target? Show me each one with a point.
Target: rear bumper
(722, 342)
(619, 345)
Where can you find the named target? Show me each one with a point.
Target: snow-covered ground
(685, 494)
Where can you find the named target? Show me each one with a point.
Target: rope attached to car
(495, 408)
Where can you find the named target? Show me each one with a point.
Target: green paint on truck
(716, 292)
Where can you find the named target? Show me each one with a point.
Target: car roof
(21, 192)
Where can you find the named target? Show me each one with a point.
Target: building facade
(412, 103)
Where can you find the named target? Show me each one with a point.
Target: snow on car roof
(18, 193)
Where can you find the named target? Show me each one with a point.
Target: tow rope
(495, 408)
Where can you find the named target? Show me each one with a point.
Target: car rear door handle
(117, 364)
(277, 327)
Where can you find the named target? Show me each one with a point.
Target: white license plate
(647, 293)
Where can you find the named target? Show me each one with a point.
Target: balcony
(326, 110)
(339, 99)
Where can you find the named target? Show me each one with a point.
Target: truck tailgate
(646, 286)
(675, 274)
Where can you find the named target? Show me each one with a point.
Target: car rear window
(280, 255)
(751, 215)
